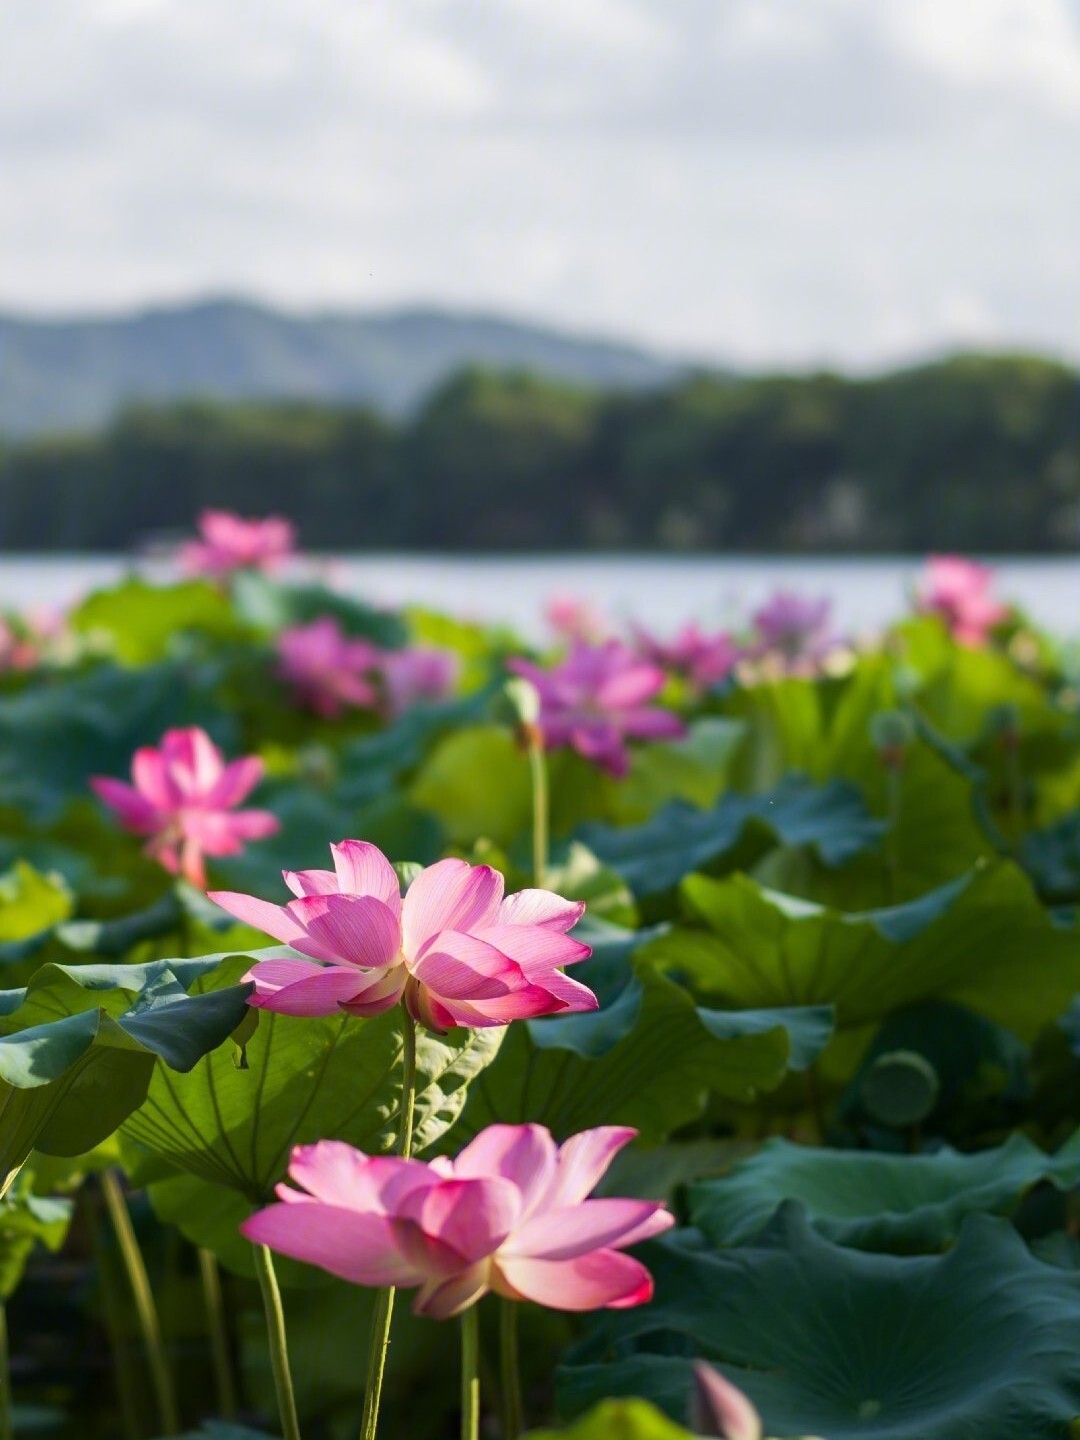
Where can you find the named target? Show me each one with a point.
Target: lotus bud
(891, 733)
(1003, 723)
(522, 699)
(721, 1409)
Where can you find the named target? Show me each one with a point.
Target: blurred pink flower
(959, 591)
(703, 659)
(722, 1409)
(594, 701)
(794, 628)
(418, 674)
(454, 949)
(184, 799)
(18, 648)
(574, 618)
(327, 669)
(229, 542)
(510, 1214)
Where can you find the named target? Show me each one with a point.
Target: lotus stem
(122, 1372)
(384, 1302)
(895, 785)
(510, 1360)
(210, 1276)
(279, 1348)
(540, 806)
(146, 1311)
(470, 1374)
(1015, 787)
(408, 1084)
(7, 1430)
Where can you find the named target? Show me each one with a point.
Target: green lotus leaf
(963, 685)
(116, 937)
(619, 1420)
(983, 940)
(27, 1221)
(975, 1061)
(304, 1080)
(850, 1345)
(875, 1201)
(31, 903)
(311, 819)
(369, 764)
(79, 1044)
(822, 729)
(266, 604)
(141, 621)
(649, 1057)
(476, 781)
(576, 873)
(654, 857)
(692, 769)
(54, 737)
(1052, 858)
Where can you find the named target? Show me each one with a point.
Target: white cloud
(772, 181)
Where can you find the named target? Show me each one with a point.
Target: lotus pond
(690, 1034)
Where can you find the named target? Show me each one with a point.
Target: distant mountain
(75, 373)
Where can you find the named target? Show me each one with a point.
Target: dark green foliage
(968, 453)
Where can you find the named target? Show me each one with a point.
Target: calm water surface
(660, 591)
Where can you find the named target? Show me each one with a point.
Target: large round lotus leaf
(619, 1420)
(978, 1344)
(78, 1047)
(983, 940)
(54, 737)
(141, 622)
(1052, 856)
(268, 605)
(654, 856)
(822, 729)
(304, 1080)
(476, 782)
(874, 1201)
(649, 1057)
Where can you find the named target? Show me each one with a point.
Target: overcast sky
(759, 181)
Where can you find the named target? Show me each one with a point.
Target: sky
(755, 182)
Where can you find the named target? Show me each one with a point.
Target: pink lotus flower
(510, 1214)
(703, 659)
(184, 798)
(959, 591)
(722, 1409)
(328, 670)
(595, 701)
(230, 543)
(418, 674)
(793, 628)
(18, 650)
(454, 949)
(572, 618)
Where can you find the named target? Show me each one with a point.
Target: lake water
(661, 591)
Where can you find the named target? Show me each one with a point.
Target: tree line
(971, 453)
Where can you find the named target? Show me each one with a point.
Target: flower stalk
(279, 1349)
(210, 1277)
(384, 1302)
(470, 1374)
(146, 1311)
(510, 1363)
(540, 806)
